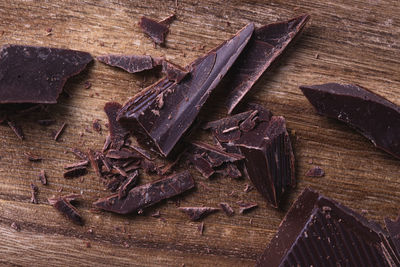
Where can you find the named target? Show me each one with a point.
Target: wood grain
(357, 42)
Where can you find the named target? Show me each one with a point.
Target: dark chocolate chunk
(63, 205)
(43, 177)
(245, 207)
(30, 74)
(34, 191)
(32, 157)
(60, 131)
(370, 114)
(147, 195)
(197, 213)
(227, 209)
(155, 30)
(265, 46)
(94, 161)
(118, 133)
(182, 101)
(75, 172)
(269, 159)
(131, 63)
(315, 172)
(318, 231)
(394, 232)
(128, 184)
(16, 129)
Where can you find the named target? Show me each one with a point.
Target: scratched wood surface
(345, 41)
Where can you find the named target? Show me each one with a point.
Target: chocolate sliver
(215, 156)
(63, 205)
(154, 29)
(118, 133)
(182, 102)
(146, 195)
(31, 74)
(318, 231)
(197, 213)
(265, 46)
(130, 63)
(370, 114)
(227, 209)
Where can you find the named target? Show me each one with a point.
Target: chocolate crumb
(60, 131)
(34, 191)
(96, 126)
(315, 172)
(15, 226)
(42, 177)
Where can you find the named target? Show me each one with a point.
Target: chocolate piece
(107, 143)
(78, 153)
(173, 72)
(122, 154)
(128, 184)
(183, 101)
(34, 191)
(60, 131)
(318, 231)
(202, 165)
(156, 214)
(197, 213)
(215, 155)
(117, 132)
(370, 114)
(168, 20)
(146, 195)
(78, 164)
(315, 172)
(394, 232)
(245, 207)
(265, 46)
(269, 159)
(230, 170)
(96, 126)
(94, 161)
(155, 30)
(248, 188)
(16, 128)
(200, 228)
(141, 151)
(31, 157)
(131, 63)
(32, 74)
(43, 177)
(63, 205)
(46, 122)
(75, 172)
(227, 209)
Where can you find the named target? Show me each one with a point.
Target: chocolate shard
(122, 154)
(83, 163)
(75, 172)
(43, 177)
(370, 114)
(173, 72)
(128, 184)
(269, 159)
(130, 63)
(34, 191)
(141, 197)
(64, 206)
(163, 128)
(227, 209)
(394, 231)
(318, 231)
(202, 165)
(118, 133)
(16, 128)
(215, 155)
(30, 74)
(59, 131)
(154, 29)
(79, 153)
(245, 207)
(197, 213)
(315, 172)
(265, 46)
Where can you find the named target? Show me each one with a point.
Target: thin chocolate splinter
(60, 131)
(197, 213)
(227, 209)
(75, 172)
(43, 177)
(64, 206)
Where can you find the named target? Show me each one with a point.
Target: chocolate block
(269, 159)
(265, 46)
(32, 74)
(162, 128)
(318, 231)
(146, 195)
(131, 63)
(370, 114)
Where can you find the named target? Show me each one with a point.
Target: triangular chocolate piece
(373, 116)
(33, 74)
(163, 127)
(265, 46)
(154, 29)
(318, 231)
(196, 213)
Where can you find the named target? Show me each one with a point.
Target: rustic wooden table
(356, 41)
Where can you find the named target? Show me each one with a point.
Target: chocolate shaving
(227, 209)
(77, 164)
(122, 154)
(141, 151)
(200, 228)
(245, 207)
(197, 213)
(315, 172)
(60, 131)
(34, 191)
(75, 172)
(128, 184)
(63, 205)
(80, 154)
(156, 214)
(15, 127)
(94, 162)
(43, 177)
(146, 195)
(31, 157)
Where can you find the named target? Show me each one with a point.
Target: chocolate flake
(15, 226)
(118, 133)
(131, 63)
(60, 131)
(318, 231)
(162, 133)
(31, 157)
(34, 191)
(197, 213)
(227, 209)
(77, 164)
(43, 177)
(63, 205)
(245, 207)
(80, 154)
(156, 214)
(128, 184)
(315, 172)
(13, 125)
(107, 143)
(370, 114)
(248, 188)
(33, 74)
(147, 195)
(155, 30)
(265, 46)
(75, 172)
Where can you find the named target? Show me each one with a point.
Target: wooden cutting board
(353, 42)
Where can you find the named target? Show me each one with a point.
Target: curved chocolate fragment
(370, 114)
(146, 195)
(33, 74)
(163, 127)
(118, 133)
(154, 29)
(265, 46)
(197, 213)
(63, 205)
(318, 231)
(130, 63)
